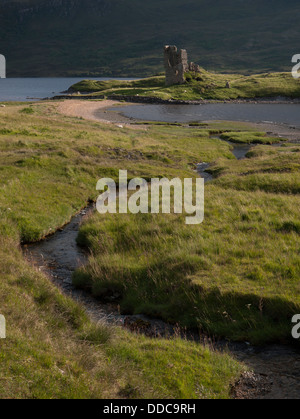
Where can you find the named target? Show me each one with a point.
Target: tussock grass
(52, 350)
(234, 276)
(49, 166)
(268, 169)
(250, 138)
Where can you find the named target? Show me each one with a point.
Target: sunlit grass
(49, 167)
(250, 138)
(236, 275)
(204, 86)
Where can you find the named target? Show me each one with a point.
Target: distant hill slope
(125, 37)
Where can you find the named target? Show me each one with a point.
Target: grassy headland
(204, 86)
(49, 166)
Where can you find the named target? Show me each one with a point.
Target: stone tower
(176, 65)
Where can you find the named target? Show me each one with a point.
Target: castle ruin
(176, 65)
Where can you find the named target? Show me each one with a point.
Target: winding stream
(276, 367)
(238, 150)
(59, 256)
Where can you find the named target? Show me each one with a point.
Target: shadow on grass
(229, 315)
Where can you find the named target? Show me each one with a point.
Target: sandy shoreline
(106, 111)
(92, 110)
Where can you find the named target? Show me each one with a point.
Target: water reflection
(251, 112)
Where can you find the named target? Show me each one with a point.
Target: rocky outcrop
(194, 68)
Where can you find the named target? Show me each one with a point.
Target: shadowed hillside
(125, 37)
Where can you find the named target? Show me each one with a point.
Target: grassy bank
(209, 86)
(249, 138)
(49, 166)
(234, 276)
(53, 351)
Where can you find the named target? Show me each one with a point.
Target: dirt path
(94, 110)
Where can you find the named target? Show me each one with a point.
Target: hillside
(125, 37)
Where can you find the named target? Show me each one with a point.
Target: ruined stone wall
(176, 65)
(194, 68)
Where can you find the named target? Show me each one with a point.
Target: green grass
(176, 368)
(49, 166)
(268, 169)
(52, 350)
(234, 276)
(253, 138)
(212, 86)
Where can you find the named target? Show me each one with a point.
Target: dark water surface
(279, 113)
(24, 89)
